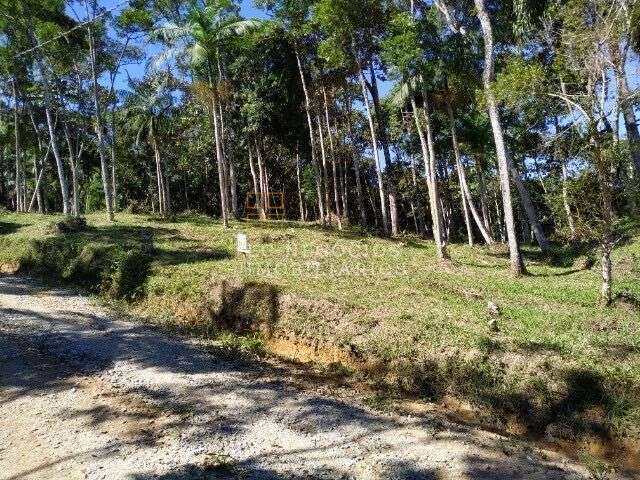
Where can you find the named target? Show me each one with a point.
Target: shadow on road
(216, 401)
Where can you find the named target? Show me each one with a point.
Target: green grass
(419, 326)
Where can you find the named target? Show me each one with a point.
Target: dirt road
(84, 394)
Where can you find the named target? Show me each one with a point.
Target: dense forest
(464, 121)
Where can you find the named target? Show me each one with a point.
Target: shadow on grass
(189, 255)
(7, 228)
(113, 260)
(248, 308)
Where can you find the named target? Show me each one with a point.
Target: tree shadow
(7, 228)
(213, 401)
(114, 261)
(250, 307)
(189, 256)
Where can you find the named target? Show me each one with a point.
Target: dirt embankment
(85, 394)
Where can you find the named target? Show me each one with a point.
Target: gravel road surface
(86, 394)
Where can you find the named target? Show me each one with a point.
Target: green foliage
(135, 19)
(520, 82)
(94, 196)
(401, 48)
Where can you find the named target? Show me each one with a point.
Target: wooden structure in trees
(274, 208)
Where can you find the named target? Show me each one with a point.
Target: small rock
(493, 309)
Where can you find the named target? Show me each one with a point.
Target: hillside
(384, 310)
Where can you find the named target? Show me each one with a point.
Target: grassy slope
(421, 325)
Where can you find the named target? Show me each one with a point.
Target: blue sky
(248, 10)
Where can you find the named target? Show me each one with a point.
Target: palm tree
(201, 38)
(144, 112)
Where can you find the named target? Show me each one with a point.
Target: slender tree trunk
(565, 198)
(376, 156)
(384, 143)
(416, 206)
(162, 206)
(33, 197)
(62, 178)
(47, 94)
(467, 199)
(530, 210)
(298, 176)
(607, 242)
(484, 204)
(257, 188)
(114, 184)
(3, 184)
(264, 187)
(333, 155)
(104, 167)
(233, 186)
(325, 175)
(343, 189)
(423, 143)
(356, 168)
(428, 148)
(314, 159)
(75, 207)
(16, 127)
(219, 159)
(374, 207)
(565, 182)
(36, 190)
(504, 163)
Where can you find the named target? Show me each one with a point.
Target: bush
(116, 272)
(128, 273)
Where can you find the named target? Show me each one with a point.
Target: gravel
(85, 394)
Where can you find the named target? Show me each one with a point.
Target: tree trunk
(325, 175)
(565, 198)
(484, 204)
(356, 168)
(565, 182)
(416, 206)
(384, 143)
(219, 159)
(162, 203)
(467, 199)
(343, 188)
(114, 185)
(16, 127)
(298, 176)
(264, 190)
(376, 156)
(104, 167)
(504, 163)
(233, 186)
(62, 178)
(432, 182)
(314, 159)
(33, 197)
(257, 188)
(530, 210)
(75, 207)
(336, 198)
